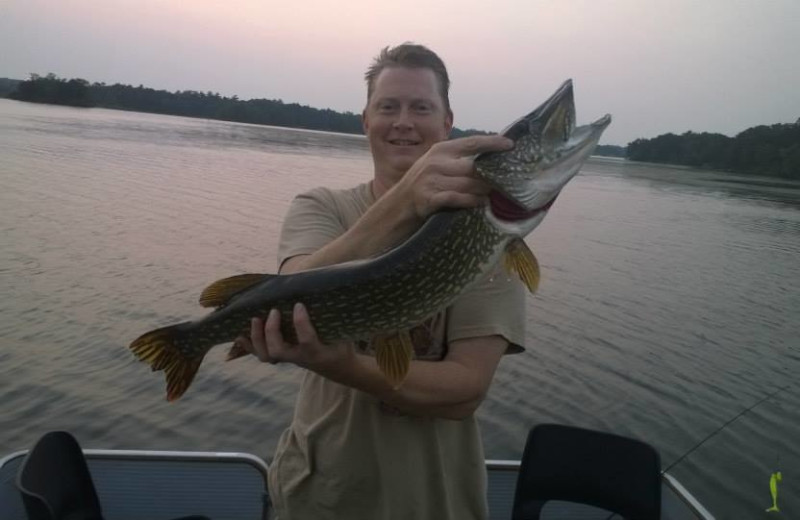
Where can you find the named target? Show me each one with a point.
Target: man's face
(404, 117)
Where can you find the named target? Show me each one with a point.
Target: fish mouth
(506, 209)
(549, 151)
(553, 120)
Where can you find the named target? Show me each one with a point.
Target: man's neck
(383, 182)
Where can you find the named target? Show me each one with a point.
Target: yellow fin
(521, 260)
(218, 293)
(161, 350)
(237, 350)
(393, 354)
(180, 376)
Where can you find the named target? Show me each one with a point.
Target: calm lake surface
(669, 304)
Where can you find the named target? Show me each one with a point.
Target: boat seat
(575, 465)
(55, 483)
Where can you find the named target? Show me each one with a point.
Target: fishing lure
(774, 479)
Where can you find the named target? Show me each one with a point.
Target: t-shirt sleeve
(310, 223)
(495, 305)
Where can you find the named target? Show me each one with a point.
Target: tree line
(7, 86)
(762, 150)
(189, 103)
(772, 150)
(610, 150)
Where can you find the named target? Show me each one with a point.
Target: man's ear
(364, 121)
(448, 122)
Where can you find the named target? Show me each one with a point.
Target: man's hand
(445, 176)
(267, 344)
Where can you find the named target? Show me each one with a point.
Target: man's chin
(404, 165)
(402, 162)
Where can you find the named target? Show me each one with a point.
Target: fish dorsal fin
(521, 260)
(220, 292)
(393, 354)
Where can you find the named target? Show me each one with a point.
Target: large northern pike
(385, 296)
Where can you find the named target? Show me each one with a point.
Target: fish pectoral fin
(520, 259)
(393, 354)
(237, 349)
(220, 292)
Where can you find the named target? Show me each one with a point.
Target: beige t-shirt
(346, 455)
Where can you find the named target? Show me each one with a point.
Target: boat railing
(136, 484)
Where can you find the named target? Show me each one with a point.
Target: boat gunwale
(260, 464)
(686, 496)
(204, 456)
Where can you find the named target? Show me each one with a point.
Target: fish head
(548, 152)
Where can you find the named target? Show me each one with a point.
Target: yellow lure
(773, 488)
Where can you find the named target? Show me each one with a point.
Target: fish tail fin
(393, 354)
(161, 350)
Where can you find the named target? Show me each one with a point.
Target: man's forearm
(385, 224)
(442, 391)
(451, 388)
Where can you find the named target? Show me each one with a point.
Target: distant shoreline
(762, 150)
(207, 105)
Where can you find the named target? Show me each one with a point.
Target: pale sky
(657, 66)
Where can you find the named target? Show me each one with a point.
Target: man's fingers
(475, 144)
(453, 199)
(302, 325)
(265, 337)
(257, 339)
(256, 330)
(463, 184)
(273, 337)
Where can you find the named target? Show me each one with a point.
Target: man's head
(411, 56)
(407, 108)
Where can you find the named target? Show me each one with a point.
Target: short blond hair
(414, 56)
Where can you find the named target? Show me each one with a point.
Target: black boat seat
(55, 482)
(565, 463)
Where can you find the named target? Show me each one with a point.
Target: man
(357, 447)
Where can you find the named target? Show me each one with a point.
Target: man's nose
(403, 121)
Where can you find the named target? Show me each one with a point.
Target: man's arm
(443, 177)
(452, 388)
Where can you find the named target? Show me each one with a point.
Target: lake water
(670, 299)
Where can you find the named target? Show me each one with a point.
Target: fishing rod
(715, 432)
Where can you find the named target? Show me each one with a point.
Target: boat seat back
(564, 463)
(134, 484)
(55, 482)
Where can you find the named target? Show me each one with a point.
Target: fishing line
(712, 434)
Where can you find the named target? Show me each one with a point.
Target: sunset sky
(657, 66)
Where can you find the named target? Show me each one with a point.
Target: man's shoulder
(359, 192)
(347, 204)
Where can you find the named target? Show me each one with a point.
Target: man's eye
(423, 107)
(386, 107)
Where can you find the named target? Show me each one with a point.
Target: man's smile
(403, 142)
